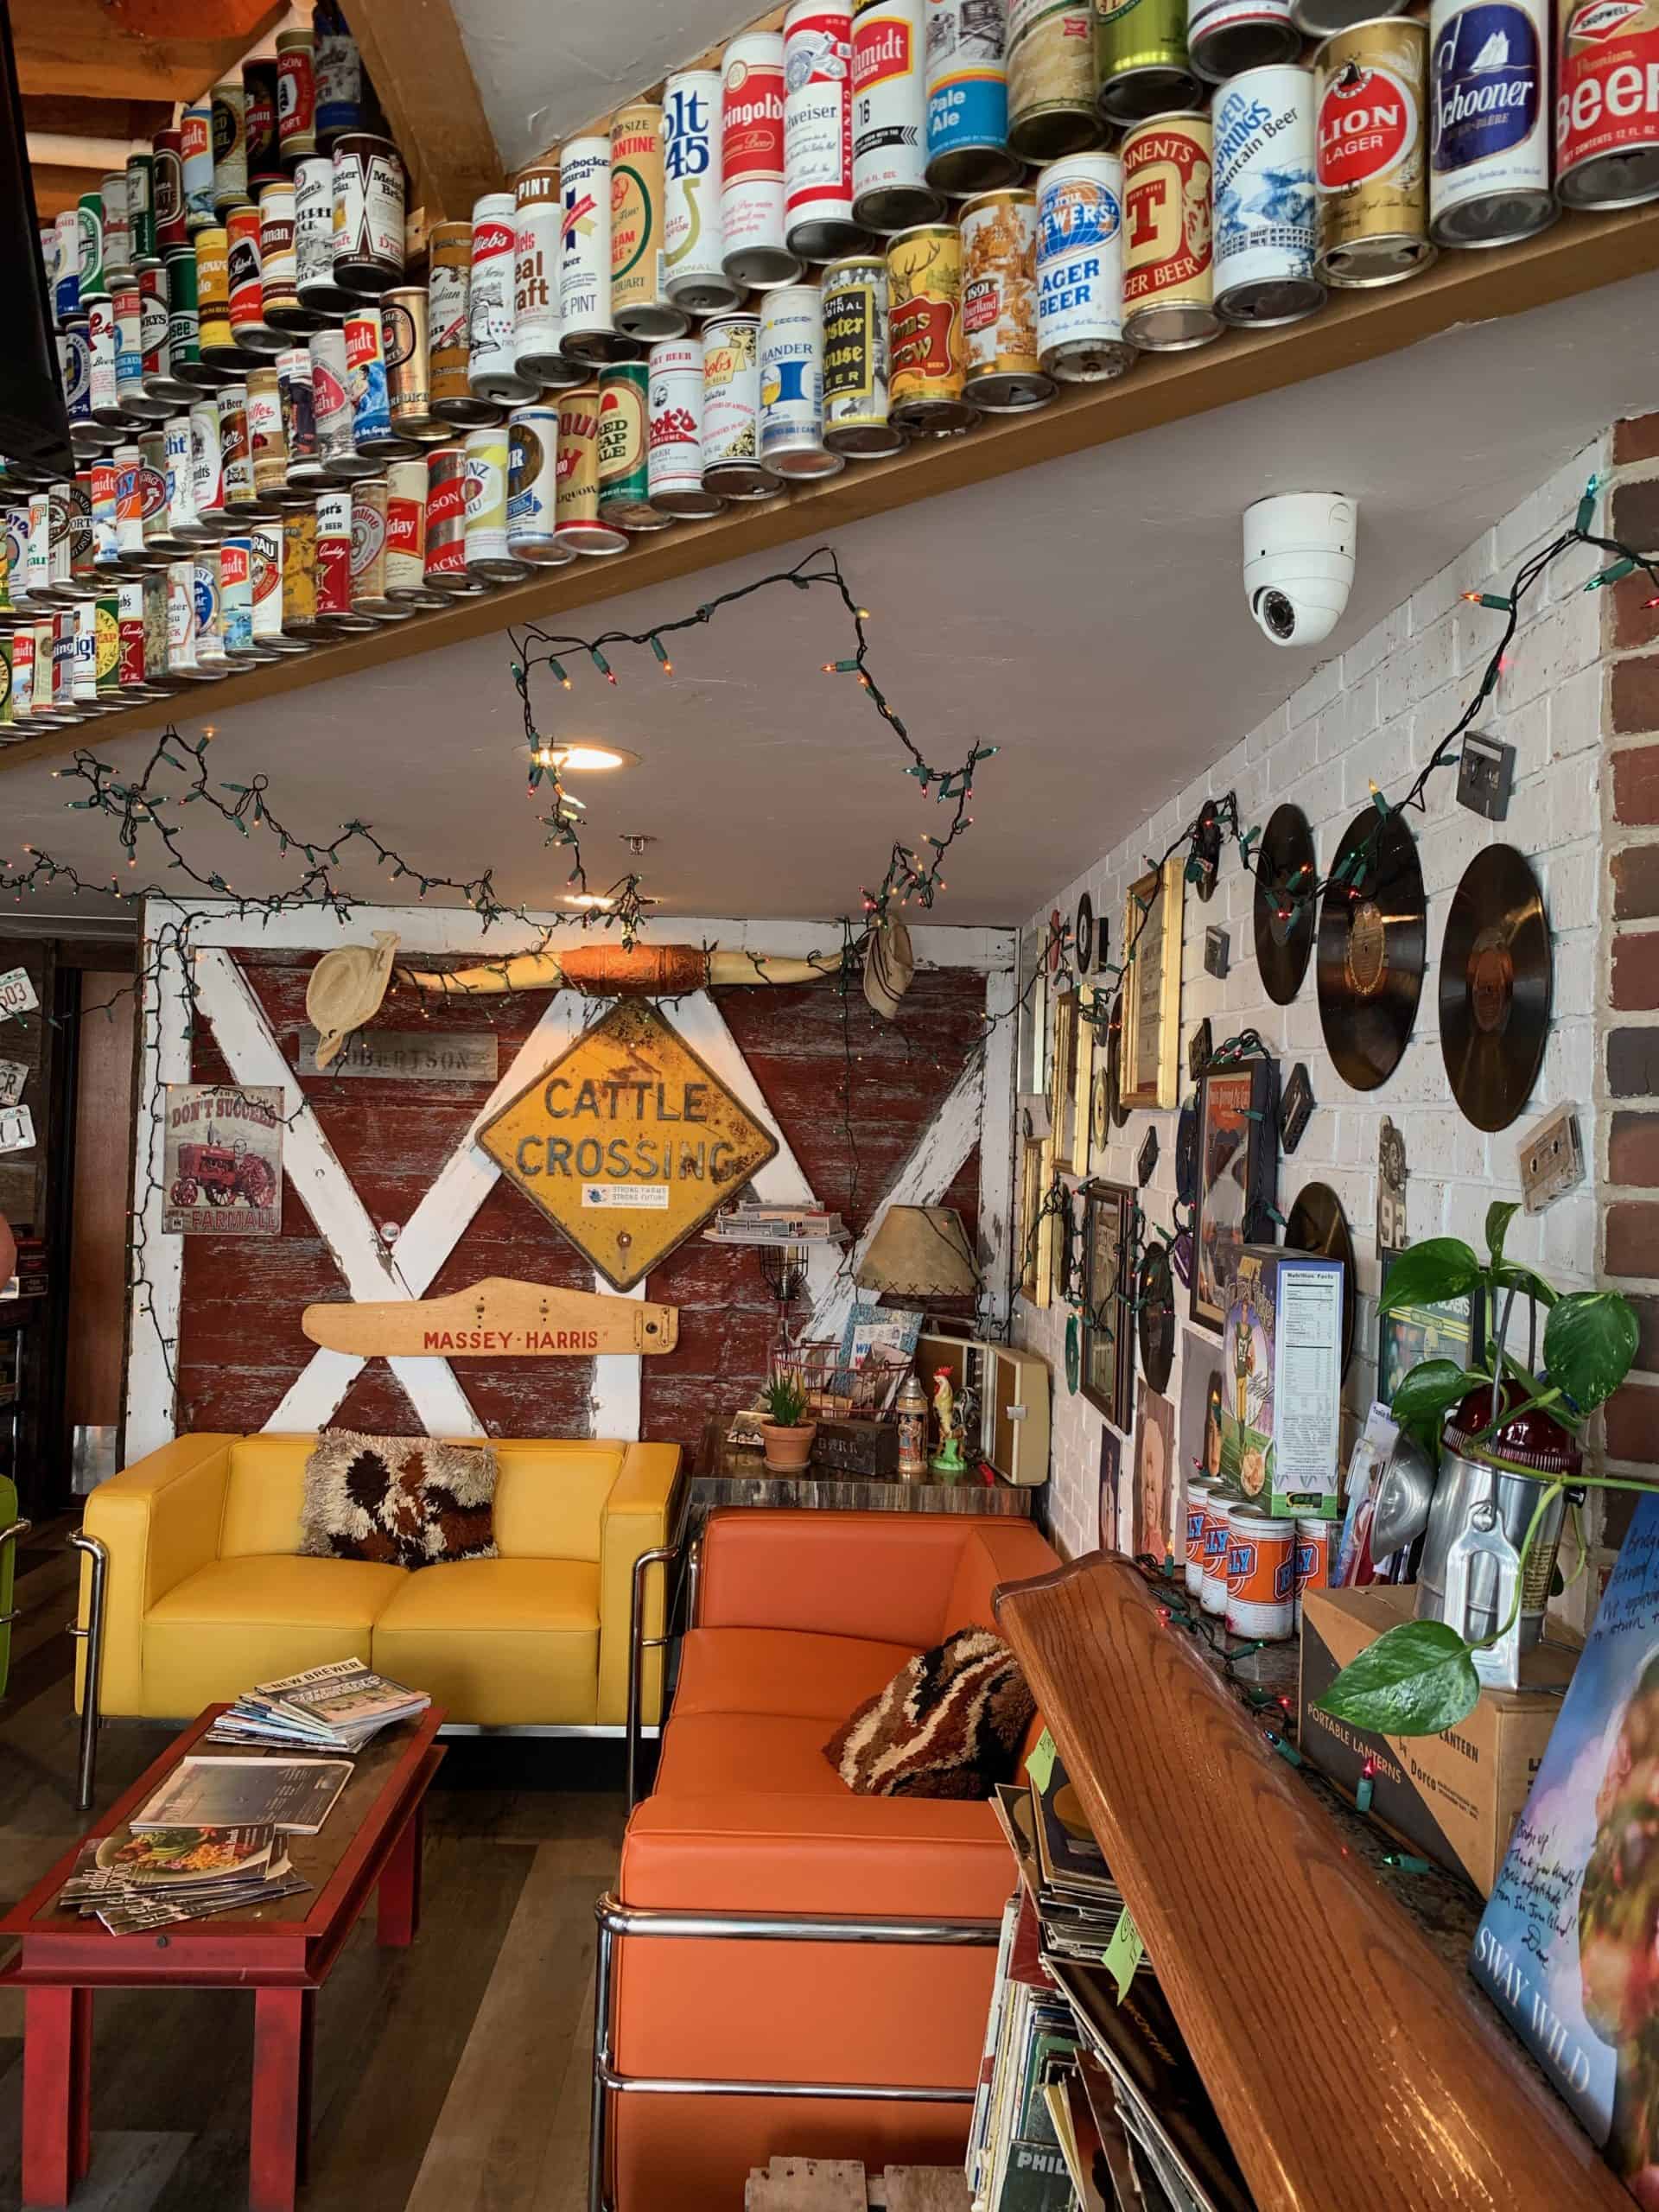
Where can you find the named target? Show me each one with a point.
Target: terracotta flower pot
(788, 1450)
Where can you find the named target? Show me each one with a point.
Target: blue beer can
(1489, 122)
(968, 98)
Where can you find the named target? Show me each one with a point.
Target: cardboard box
(1281, 1382)
(1455, 1797)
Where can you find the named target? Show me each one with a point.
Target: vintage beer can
(578, 522)
(242, 503)
(1226, 37)
(267, 441)
(129, 526)
(207, 463)
(196, 161)
(446, 521)
(161, 394)
(1489, 121)
(1080, 269)
(259, 105)
(1607, 105)
(208, 593)
(296, 96)
(265, 565)
(251, 332)
(185, 372)
(587, 331)
(130, 351)
(182, 617)
(927, 363)
(1370, 153)
(818, 130)
(731, 408)
(314, 239)
(693, 277)
(532, 487)
(791, 385)
(140, 209)
(184, 524)
(75, 370)
(102, 393)
(1260, 1576)
(108, 646)
(64, 275)
(83, 576)
(16, 560)
(83, 679)
(89, 247)
(968, 97)
(490, 371)
(449, 256)
(236, 596)
(999, 303)
(639, 307)
(331, 403)
(1168, 265)
(305, 472)
(487, 559)
(129, 620)
(366, 380)
(1141, 60)
(229, 127)
(753, 251)
(625, 448)
(674, 398)
(890, 188)
(19, 649)
(279, 261)
(333, 607)
(535, 324)
(37, 552)
(171, 227)
(406, 534)
(403, 339)
(61, 511)
(368, 213)
(339, 69)
(855, 420)
(1213, 1583)
(117, 234)
(369, 594)
(105, 555)
(1266, 219)
(1312, 1558)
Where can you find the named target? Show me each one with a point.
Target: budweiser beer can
(406, 534)
(249, 329)
(1267, 219)
(587, 331)
(968, 98)
(314, 239)
(674, 464)
(196, 161)
(487, 559)
(693, 277)
(856, 418)
(171, 229)
(368, 213)
(403, 340)
(791, 385)
(1607, 105)
(1168, 266)
(731, 408)
(1370, 153)
(305, 470)
(331, 403)
(296, 96)
(236, 595)
(1080, 269)
(1260, 1576)
(753, 251)
(927, 362)
(228, 124)
(1141, 60)
(267, 441)
(446, 521)
(449, 253)
(999, 303)
(365, 381)
(577, 521)
(890, 188)
(535, 324)
(369, 551)
(818, 130)
(259, 96)
(1312, 1558)
(1226, 37)
(1489, 121)
(300, 570)
(490, 373)
(334, 608)
(279, 261)
(532, 487)
(204, 586)
(625, 448)
(639, 305)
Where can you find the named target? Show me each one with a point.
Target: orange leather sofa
(798, 1618)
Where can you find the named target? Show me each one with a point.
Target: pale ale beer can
(448, 287)
(588, 333)
(855, 403)
(535, 326)
(818, 130)
(967, 147)
(640, 307)
(731, 408)
(1370, 153)
(577, 521)
(791, 385)
(491, 372)
(1266, 215)
(693, 279)
(1489, 121)
(1226, 37)
(927, 359)
(1052, 81)
(890, 188)
(1607, 104)
(625, 448)
(999, 303)
(1141, 60)
(753, 250)
(1168, 267)
(674, 464)
(1080, 269)
(532, 487)
(488, 560)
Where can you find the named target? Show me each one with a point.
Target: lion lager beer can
(300, 571)
(731, 408)
(236, 595)
(890, 188)
(406, 489)
(1141, 60)
(968, 98)
(532, 486)
(535, 326)
(446, 522)
(369, 553)
(279, 272)
(171, 227)
(229, 127)
(1489, 121)
(1607, 104)
(196, 164)
(1169, 270)
(369, 192)
(577, 521)
(791, 385)
(693, 279)
(491, 371)
(753, 251)
(185, 375)
(488, 560)
(588, 332)
(207, 463)
(624, 448)
(999, 303)
(314, 240)
(267, 443)
(294, 388)
(1267, 218)
(1052, 81)
(332, 608)
(208, 594)
(1226, 37)
(818, 130)
(259, 109)
(373, 439)
(403, 339)
(1080, 269)
(674, 462)
(449, 253)
(1370, 153)
(639, 306)
(251, 332)
(296, 96)
(855, 399)
(927, 366)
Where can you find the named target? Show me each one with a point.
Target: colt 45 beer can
(1080, 269)
(1371, 158)
(1607, 104)
(968, 146)
(1489, 121)
(693, 277)
(1267, 219)
(1168, 266)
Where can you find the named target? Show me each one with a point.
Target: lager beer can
(446, 522)
(333, 609)
(487, 559)
(186, 373)
(279, 261)
(674, 397)
(818, 130)
(267, 443)
(207, 463)
(625, 448)
(490, 371)
(1052, 83)
(753, 251)
(535, 324)
(89, 246)
(296, 96)
(577, 520)
(791, 385)
(855, 419)
(369, 552)
(1266, 219)
(927, 361)
(1226, 37)
(314, 240)
(1080, 269)
(259, 107)
(587, 331)
(140, 209)
(229, 127)
(1370, 153)
(305, 472)
(402, 338)
(366, 380)
(406, 487)
(639, 306)
(532, 487)
(117, 233)
(692, 278)
(1607, 105)
(968, 97)
(368, 213)
(1141, 60)
(1168, 267)
(731, 408)
(236, 596)
(300, 571)
(1489, 121)
(999, 303)
(196, 161)
(208, 594)
(331, 403)
(448, 289)
(171, 228)
(890, 188)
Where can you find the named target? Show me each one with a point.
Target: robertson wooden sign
(495, 1319)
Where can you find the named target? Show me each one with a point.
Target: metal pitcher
(1463, 1487)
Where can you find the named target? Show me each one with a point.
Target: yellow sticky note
(1123, 1954)
(1040, 1764)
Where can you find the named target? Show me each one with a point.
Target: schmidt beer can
(1266, 217)
(300, 571)
(171, 228)
(532, 485)
(731, 408)
(674, 462)
(196, 164)
(639, 306)
(184, 524)
(577, 521)
(1370, 153)
(446, 522)
(294, 388)
(449, 255)
(535, 326)
(1607, 105)
(1226, 37)
(403, 339)
(314, 239)
(1141, 60)
(927, 364)
(368, 213)
(968, 97)
(890, 188)
(1080, 269)
(487, 559)
(625, 448)
(1052, 80)
(296, 96)
(490, 373)
(1168, 267)
(235, 597)
(791, 385)
(819, 129)
(369, 552)
(229, 127)
(365, 381)
(588, 332)
(856, 418)
(693, 277)
(999, 303)
(406, 488)
(1489, 121)
(753, 251)
(102, 473)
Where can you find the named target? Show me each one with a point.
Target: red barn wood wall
(851, 1093)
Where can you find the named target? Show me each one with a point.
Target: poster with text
(223, 1160)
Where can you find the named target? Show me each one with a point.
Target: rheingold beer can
(819, 129)
(366, 380)
(491, 371)
(369, 552)
(625, 448)
(1141, 60)
(532, 486)
(855, 419)
(235, 597)
(968, 97)
(449, 255)
(1370, 153)
(588, 332)
(577, 520)
(171, 229)
(1607, 105)
(1168, 265)
(927, 366)
(791, 385)
(196, 160)
(207, 463)
(639, 306)
(314, 239)
(305, 470)
(369, 192)
(1226, 37)
(693, 277)
(535, 324)
(296, 96)
(753, 250)
(300, 570)
(890, 188)
(999, 303)
(1489, 121)
(1267, 218)
(488, 560)
(674, 398)
(229, 127)
(333, 596)
(1052, 79)
(1080, 269)
(731, 408)
(406, 534)
(403, 339)
(446, 522)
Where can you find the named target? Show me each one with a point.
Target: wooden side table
(735, 1474)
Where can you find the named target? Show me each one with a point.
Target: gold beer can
(1168, 259)
(927, 371)
(1052, 82)
(408, 381)
(639, 304)
(448, 296)
(1140, 59)
(300, 569)
(998, 302)
(1370, 165)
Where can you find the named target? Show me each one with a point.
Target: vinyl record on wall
(1155, 1296)
(1186, 1152)
(1082, 935)
(1286, 871)
(1372, 946)
(1318, 1223)
(1495, 987)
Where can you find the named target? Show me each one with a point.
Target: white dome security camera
(1299, 564)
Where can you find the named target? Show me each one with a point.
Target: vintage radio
(1010, 1391)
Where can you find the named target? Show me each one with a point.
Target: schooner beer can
(449, 257)
(890, 188)
(577, 520)
(491, 372)
(535, 324)
(446, 521)
(1607, 104)
(624, 448)
(927, 366)
(1489, 121)
(791, 385)
(1080, 269)
(639, 307)
(585, 254)
(731, 408)
(856, 418)
(1267, 218)
(1052, 79)
(1226, 37)
(968, 97)
(674, 463)
(1370, 152)
(196, 160)
(818, 130)
(488, 560)
(532, 483)
(1141, 60)
(403, 339)
(406, 533)
(1168, 269)
(999, 303)
(693, 277)
(753, 250)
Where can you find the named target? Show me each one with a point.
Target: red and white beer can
(334, 609)
(446, 521)
(406, 535)
(1607, 105)
(819, 130)
(674, 457)
(753, 250)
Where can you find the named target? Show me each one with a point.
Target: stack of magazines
(339, 1707)
(131, 1882)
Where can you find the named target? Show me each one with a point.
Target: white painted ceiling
(1087, 616)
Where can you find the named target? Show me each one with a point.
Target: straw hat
(346, 989)
(888, 966)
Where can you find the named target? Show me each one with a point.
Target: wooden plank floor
(449, 2077)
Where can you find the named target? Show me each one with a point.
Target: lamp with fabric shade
(919, 1252)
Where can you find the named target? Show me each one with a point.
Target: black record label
(1286, 873)
(1494, 985)
(1187, 1153)
(1155, 1296)
(1372, 946)
(1318, 1225)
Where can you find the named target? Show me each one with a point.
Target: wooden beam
(58, 186)
(111, 52)
(1578, 254)
(78, 117)
(413, 53)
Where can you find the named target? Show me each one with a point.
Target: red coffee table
(283, 1952)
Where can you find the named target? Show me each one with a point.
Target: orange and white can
(1260, 1576)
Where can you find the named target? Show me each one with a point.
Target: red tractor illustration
(222, 1173)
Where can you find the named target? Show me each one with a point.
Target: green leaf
(1429, 1391)
(1439, 1268)
(1513, 1276)
(1589, 1344)
(1418, 1680)
(1499, 1215)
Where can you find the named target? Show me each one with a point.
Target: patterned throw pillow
(950, 1723)
(409, 1501)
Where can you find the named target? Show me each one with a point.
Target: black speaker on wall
(33, 421)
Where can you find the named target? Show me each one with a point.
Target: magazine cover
(292, 1796)
(1566, 1947)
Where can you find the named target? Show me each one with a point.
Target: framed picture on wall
(1037, 1235)
(1152, 987)
(1159, 1531)
(1060, 1089)
(1107, 1292)
(1448, 1330)
(1238, 1175)
(1083, 1081)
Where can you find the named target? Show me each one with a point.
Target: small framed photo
(1152, 987)
(1037, 1235)
(1159, 1530)
(1238, 1176)
(1107, 1294)
(1062, 1084)
(1448, 1330)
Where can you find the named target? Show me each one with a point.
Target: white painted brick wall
(1377, 711)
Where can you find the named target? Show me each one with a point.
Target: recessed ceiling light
(586, 899)
(578, 759)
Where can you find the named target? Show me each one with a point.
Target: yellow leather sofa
(193, 1588)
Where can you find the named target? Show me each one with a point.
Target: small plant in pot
(1489, 1428)
(787, 1436)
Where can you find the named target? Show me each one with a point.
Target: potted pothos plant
(787, 1435)
(1419, 1679)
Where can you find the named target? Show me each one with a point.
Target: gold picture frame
(1153, 914)
(1037, 1253)
(1082, 1078)
(1062, 1087)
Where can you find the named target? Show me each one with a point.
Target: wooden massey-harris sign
(496, 1319)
